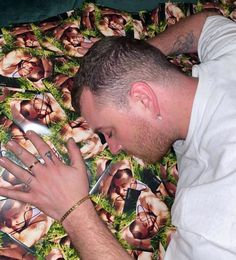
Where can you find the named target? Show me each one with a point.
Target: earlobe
(143, 94)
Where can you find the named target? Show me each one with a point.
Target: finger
(15, 110)
(25, 156)
(43, 148)
(82, 51)
(20, 187)
(94, 39)
(23, 186)
(86, 45)
(15, 194)
(17, 171)
(75, 154)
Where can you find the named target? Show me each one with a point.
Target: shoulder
(217, 38)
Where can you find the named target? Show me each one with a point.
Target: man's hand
(52, 187)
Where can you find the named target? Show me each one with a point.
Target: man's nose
(114, 147)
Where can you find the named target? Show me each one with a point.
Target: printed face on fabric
(128, 129)
(145, 225)
(39, 107)
(31, 70)
(15, 217)
(122, 184)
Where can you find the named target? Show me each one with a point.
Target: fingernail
(29, 132)
(71, 139)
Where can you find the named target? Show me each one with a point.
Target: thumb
(76, 159)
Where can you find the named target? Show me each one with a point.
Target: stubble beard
(151, 146)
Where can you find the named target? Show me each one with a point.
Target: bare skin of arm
(182, 37)
(91, 237)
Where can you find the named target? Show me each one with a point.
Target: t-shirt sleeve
(218, 38)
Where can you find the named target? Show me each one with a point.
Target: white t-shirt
(204, 210)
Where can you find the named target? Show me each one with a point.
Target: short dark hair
(136, 234)
(119, 174)
(113, 63)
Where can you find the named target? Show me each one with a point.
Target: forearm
(91, 237)
(183, 36)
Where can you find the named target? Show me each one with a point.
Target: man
(161, 106)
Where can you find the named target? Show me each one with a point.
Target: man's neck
(186, 105)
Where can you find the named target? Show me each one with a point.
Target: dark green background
(20, 11)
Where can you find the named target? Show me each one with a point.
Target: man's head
(114, 63)
(115, 90)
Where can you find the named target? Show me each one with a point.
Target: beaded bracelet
(77, 204)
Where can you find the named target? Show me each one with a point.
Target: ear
(143, 95)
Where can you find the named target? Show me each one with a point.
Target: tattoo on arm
(184, 43)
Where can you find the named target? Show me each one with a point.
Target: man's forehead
(90, 110)
(99, 115)
(90, 103)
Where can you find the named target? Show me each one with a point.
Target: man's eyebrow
(99, 129)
